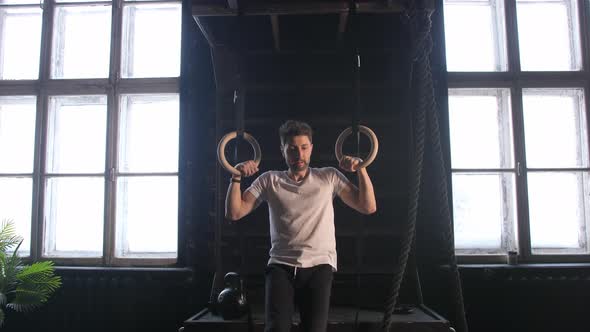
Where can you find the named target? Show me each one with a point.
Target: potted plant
(22, 287)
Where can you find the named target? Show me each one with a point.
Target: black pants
(308, 288)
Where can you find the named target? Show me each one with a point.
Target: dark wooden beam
(381, 7)
(233, 4)
(312, 86)
(272, 9)
(212, 10)
(318, 52)
(301, 8)
(342, 25)
(276, 34)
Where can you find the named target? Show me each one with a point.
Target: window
(483, 180)
(557, 169)
(518, 119)
(89, 129)
(482, 47)
(548, 35)
(19, 48)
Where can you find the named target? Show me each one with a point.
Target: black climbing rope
(425, 115)
(419, 84)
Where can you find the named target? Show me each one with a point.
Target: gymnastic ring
(372, 138)
(221, 150)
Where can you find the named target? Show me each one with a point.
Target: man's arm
(362, 198)
(238, 204)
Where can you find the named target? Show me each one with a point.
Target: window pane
(76, 137)
(548, 35)
(559, 210)
(555, 128)
(149, 133)
(150, 49)
(77, 51)
(484, 212)
(20, 43)
(74, 209)
(16, 196)
(147, 216)
(65, 1)
(481, 47)
(17, 134)
(19, 2)
(480, 128)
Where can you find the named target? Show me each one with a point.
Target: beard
(298, 166)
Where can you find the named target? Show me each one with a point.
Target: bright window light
(482, 161)
(149, 49)
(17, 133)
(16, 198)
(548, 35)
(147, 216)
(77, 51)
(76, 137)
(555, 128)
(140, 148)
(481, 128)
(20, 43)
(558, 204)
(74, 216)
(481, 46)
(484, 211)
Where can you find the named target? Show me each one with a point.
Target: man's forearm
(233, 201)
(366, 192)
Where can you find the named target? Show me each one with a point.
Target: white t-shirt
(301, 215)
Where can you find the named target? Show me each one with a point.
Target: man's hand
(350, 164)
(247, 168)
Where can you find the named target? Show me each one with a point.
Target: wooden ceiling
(303, 44)
(293, 25)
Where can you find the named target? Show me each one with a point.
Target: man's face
(297, 152)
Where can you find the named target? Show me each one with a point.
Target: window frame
(516, 80)
(112, 87)
(504, 98)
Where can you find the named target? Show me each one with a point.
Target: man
(301, 212)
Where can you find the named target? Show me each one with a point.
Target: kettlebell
(231, 302)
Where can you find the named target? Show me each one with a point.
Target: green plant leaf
(40, 272)
(20, 307)
(9, 269)
(8, 236)
(35, 284)
(9, 239)
(22, 287)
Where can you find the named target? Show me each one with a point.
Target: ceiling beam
(312, 86)
(342, 21)
(276, 34)
(206, 8)
(271, 9)
(381, 7)
(233, 4)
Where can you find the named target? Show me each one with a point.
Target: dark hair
(293, 128)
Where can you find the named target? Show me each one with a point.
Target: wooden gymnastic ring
(372, 138)
(221, 150)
